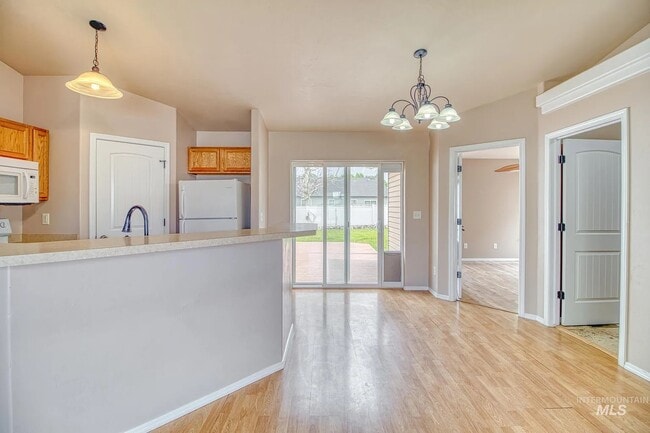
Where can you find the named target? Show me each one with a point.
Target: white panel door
(129, 174)
(208, 199)
(592, 245)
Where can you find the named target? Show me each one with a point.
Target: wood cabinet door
(41, 154)
(15, 140)
(203, 160)
(236, 160)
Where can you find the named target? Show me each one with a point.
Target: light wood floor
(394, 361)
(493, 284)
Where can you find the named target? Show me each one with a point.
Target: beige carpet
(604, 337)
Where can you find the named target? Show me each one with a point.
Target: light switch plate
(417, 214)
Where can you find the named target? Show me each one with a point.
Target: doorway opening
(587, 263)
(358, 209)
(486, 220)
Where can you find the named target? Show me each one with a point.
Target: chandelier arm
(414, 95)
(407, 106)
(441, 97)
(401, 100)
(428, 91)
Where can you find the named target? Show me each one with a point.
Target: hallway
(392, 361)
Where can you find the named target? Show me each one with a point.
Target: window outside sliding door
(358, 210)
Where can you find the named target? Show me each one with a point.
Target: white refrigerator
(213, 205)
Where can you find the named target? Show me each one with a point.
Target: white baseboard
(196, 404)
(638, 371)
(534, 317)
(439, 296)
(417, 288)
(490, 260)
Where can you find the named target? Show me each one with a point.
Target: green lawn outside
(362, 236)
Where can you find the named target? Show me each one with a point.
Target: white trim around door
(453, 252)
(92, 175)
(552, 214)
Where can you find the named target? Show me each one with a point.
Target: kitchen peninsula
(126, 334)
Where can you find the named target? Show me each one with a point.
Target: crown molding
(630, 63)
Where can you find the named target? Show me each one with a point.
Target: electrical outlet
(465, 245)
(417, 215)
(435, 271)
(45, 218)
(495, 246)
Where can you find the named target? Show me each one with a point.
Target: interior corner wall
(259, 170)
(509, 118)
(411, 147)
(185, 137)
(11, 107)
(50, 105)
(490, 210)
(631, 94)
(132, 116)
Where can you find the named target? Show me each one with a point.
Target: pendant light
(423, 106)
(93, 83)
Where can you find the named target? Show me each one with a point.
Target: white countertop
(63, 251)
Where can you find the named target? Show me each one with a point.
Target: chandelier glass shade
(424, 106)
(94, 83)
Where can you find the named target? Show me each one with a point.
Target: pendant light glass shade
(448, 114)
(437, 124)
(94, 84)
(405, 125)
(391, 118)
(426, 112)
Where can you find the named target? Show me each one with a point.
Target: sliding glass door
(357, 207)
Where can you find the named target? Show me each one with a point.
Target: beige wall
(490, 209)
(11, 107)
(132, 116)
(259, 170)
(509, 118)
(632, 94)
(49, 104)
(11, 93)
(411, 147)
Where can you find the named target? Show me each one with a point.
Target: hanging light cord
(96, 62)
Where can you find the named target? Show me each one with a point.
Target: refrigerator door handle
(182, 207)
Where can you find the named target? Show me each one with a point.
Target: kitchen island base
(131, 342)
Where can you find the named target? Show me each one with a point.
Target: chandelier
(423, 105)
(94, 83)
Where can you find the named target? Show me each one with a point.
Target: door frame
(453, 252)
(551, 275)
(380, 229)
(92, 176)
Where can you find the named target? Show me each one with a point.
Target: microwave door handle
(25, 185)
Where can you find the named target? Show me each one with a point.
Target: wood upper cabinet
(203, 160)
(219, 160)
(41, 154)
(21, 141)
(235, 160)
(15, 140)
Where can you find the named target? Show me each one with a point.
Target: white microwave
(18, 181)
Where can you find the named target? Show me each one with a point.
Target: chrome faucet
(127, 222)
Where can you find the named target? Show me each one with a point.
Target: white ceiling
(499, 153)
(314, 65)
